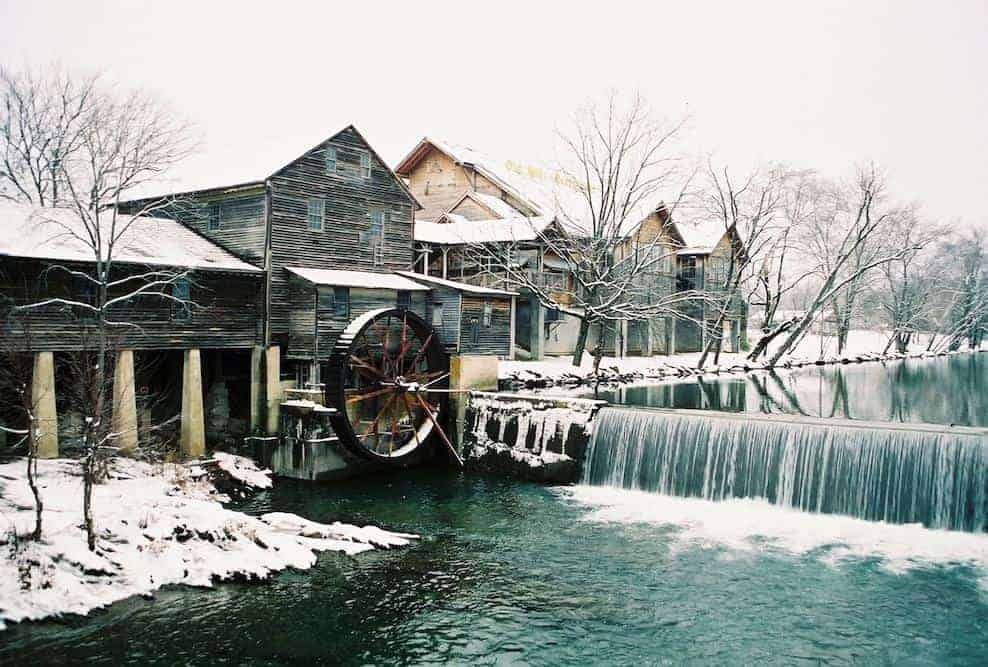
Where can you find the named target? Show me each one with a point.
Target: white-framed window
(375, 234)
(331, 164)
(316, 213)
(488, 313)
(365, 164)
(437, 314)
(213, 222)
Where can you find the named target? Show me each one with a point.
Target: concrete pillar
(257, 407)
(125, 403)
(514, 314)
(43, 400)
(537, 335)
(272, 388)
(475, 372)
(193, 437)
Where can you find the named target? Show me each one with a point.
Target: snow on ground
(813, 347)
(157, 525)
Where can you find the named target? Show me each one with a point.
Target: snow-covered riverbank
(157, 525)
(560, 372)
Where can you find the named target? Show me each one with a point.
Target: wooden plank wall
(449, 330)
(349, 199)
(227, 315)
(492, 340)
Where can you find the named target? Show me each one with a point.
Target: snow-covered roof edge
(453, 284)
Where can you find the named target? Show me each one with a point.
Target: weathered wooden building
(279, 263)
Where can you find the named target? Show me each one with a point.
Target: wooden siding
(241, 220)
(449, 330)
(349, 200)
(226, 313)
(492, 340)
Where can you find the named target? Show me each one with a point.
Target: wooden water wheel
(388, 380)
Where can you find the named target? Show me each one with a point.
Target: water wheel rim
(377, 376)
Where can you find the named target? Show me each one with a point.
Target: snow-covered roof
(58, 234)
(363, 279)
(463, 231)
(500, 207)
(452, 284)
(701, 237)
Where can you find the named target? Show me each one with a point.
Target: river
(516, 573)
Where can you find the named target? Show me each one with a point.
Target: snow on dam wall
(540, 438)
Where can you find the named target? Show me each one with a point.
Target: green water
(512, 573)
(939, 390)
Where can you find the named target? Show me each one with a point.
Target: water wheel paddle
(387, 378)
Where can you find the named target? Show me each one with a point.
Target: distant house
(470, 198)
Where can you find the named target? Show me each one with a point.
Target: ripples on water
(515, 573)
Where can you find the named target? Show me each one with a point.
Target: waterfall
(937, 476)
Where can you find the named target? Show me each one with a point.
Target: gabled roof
(58, 234)
(701, 237)
(249, 174)
(362, 279)
(545, 198)
(452, 284)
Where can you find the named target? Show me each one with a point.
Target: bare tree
(747, 212)
(113, 144)
(912, 281)
(841, 242)
(619, 161)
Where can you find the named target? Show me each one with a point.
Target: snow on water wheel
(387, 378)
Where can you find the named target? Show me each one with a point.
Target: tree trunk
(32, 479)
(581, 342)
(762, 345)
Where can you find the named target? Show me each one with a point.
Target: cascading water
(936, 476)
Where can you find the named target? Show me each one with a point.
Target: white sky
(821, 84)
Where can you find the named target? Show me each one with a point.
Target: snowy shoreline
(157, 525)
(559, 373)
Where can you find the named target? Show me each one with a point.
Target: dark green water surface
(938, 390)
(512, 573)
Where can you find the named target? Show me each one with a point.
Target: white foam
(754, 525)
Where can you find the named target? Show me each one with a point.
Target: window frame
(487, 316)
(437, 310)
(331, 156)
(321, 205)
(181, 311)
(214, 221)
(366, 165)
(341, 301)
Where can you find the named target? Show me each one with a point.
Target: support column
(511, 340)
(648, 345)
(125, 403)
(537, 334)
(193, 437)
(621, 344)
(257, 408)
(272, 388)
(43, 400)
(670, 335)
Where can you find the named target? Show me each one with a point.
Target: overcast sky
(815, 84)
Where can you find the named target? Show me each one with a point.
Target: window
(404, 299)
(488, 313)
(341, 301)
(330, 157)
(374, 236)
(182, 298)
(437, 314)
(365, 165)
(316, 214)
(214, 217)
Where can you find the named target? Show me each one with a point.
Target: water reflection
(943, 390)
